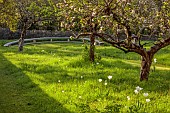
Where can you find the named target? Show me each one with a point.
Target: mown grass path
(137, 63)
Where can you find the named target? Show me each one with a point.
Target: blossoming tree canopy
(124, 24)
(23, 14)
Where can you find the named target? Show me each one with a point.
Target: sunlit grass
(53, 78)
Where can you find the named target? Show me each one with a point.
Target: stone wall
(5, 33)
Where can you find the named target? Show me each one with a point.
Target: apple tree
(124, 24)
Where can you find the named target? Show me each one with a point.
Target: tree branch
(122, 45)
(161, 44)
(83, 34)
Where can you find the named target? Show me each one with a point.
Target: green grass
(53, 78)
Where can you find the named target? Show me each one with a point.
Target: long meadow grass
(54, 78)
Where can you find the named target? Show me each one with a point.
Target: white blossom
(148, 100)
(100, 80)
(71, 7)
(145, 94)
(138, 88)
(93, 14)
(128, 97)
(109, 77)
(155, 60)
(105, 83)
(133, 11)
(136, 91)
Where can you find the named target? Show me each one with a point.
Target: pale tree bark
(21, 40)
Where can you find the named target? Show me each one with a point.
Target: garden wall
(6, 33)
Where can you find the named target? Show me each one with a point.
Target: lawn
(54, 78)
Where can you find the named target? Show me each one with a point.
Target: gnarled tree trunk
(21, 40)
(92, 40)
(21, 43)
(146, 62)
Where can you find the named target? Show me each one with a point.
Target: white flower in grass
(145, 94)
(136, 91)
(81, 77)
(80, 97)
(155, 60)
(109, 77)
(128, 97)
(138, 88)
(63, 91)
(100, 80)
(97, 63)
(59, 81)
(148, 100)
(105, 83)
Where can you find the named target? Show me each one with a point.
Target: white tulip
(128, 97)
(109, 77)
(145, 94)
(155, 60)
(138, 88)
(136, 91)
(100, 80)
(148, 100)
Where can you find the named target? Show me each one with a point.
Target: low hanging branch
(161, 44)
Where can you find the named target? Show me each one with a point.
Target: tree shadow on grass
(126, 74)
(122, 72)
(18, 94)
(159, 81)
(121, 82)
